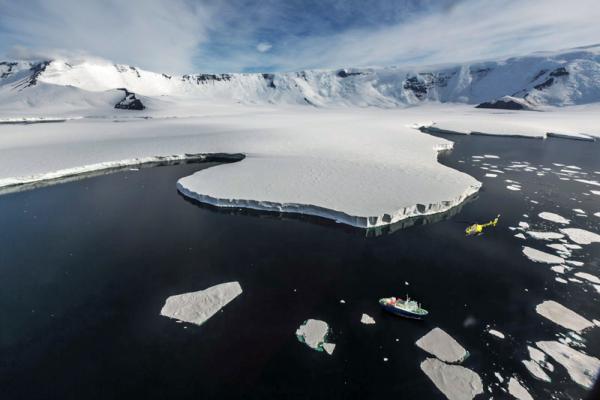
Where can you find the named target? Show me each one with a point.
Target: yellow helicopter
(477, 229)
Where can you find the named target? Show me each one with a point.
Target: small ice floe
(588, 277)
(516, 389)
(514, 188)
(560, 280)
(535, 370)
(534, 202)
(597, 214)
(575, 280)
(499, 377)
(367, 319)
(491, 175)
(545, 235)
(579, 211)
(559, 269)
(574, 263)
(523, 225)
(454, 381)
(548, 216)
(443, 346)
(596, 192)
(477, 157)
(496, 333)
(558, 246)
(571, 246)
(540, 256)
(520, 236)
(539, 357)
(497, 171)
(581, 368)
(491, 156)
(313, 333)
(198, 307)
(342, 301)
(581, 236)
(562, 316)
(594, 183)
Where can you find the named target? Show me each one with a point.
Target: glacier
(347, 145)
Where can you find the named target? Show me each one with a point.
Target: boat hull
(401, 313)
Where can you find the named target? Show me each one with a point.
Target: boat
(405, 308)
(477, 229)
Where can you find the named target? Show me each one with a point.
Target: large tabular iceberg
(454, 381)
(198, 307)
(563, 316)
(438, 343)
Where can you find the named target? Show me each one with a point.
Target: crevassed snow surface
(582, 368)
(198, 307)
(454, 381)
(438, 343)
(563, 316)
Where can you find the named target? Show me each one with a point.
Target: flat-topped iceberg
(198, 307)
(563, 316)
(438, 343)
(313, 333)
(540, 256)
(454, 381)
(582, 368)
(581, 236)
(548, 216)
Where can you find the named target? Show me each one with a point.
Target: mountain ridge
(530, 82)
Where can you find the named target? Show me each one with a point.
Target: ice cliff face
(557, 79)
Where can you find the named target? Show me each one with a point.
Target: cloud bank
(245, 35)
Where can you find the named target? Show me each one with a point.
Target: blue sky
(179, 36)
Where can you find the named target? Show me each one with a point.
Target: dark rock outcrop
(503, 104)
(343, 73)
(129, 102)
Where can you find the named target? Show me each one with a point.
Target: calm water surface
(86, 266)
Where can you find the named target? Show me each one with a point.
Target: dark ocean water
(86, 266)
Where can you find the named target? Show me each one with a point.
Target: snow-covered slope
(557, 79)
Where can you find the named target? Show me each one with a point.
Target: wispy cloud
(247, 35)
(155, 34)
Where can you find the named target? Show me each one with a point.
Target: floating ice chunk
(477, 157)
(558, 268)
(535, 370)
(575, 280)
(559, 247)
(561, 280)
(588, 277)
(574, 263)
(572, 246)
(545, 235)
(597, 214)
(520, 236)
(443, 346)
(496, 333)
(596, 322)
(597, 287)
(313, 333)
(596, 192)
(579, 211)
(558, 164)
(595, 183)
(581, 368)
(524, 225)
(514, 188)
(548, 216)
(541, 257)
(367, 319)
(581, 236)
(342, 301)
(499, 377)
(516, 389)
(491, 175)
(490, 156)
(539, 357)
(454, 381)
(562, 316)
(198, 307)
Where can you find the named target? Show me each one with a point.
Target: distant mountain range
(535, 81)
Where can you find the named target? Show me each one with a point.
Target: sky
(189, 36)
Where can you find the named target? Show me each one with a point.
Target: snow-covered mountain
(543, 79)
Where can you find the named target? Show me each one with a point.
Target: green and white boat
(405, 308)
